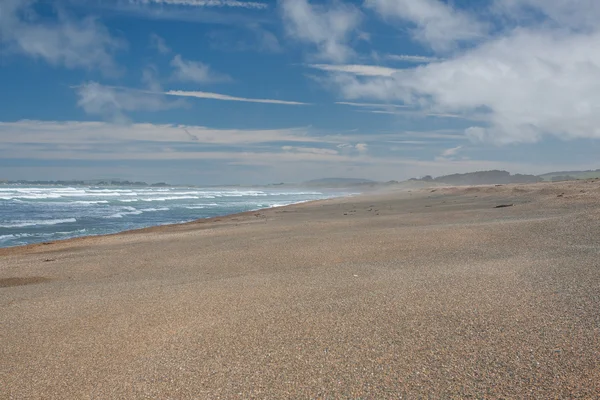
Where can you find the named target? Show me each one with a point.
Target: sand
(433, 293)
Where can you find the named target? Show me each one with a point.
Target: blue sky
(225, 91)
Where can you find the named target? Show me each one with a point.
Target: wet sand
(433, 293)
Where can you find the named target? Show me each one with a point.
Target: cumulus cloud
(435, 23)
(195, 71)
(327, 28)
(532, 79)
(61, 41)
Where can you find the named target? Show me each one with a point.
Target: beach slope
(489, 291)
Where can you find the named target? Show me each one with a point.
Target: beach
(457, 292)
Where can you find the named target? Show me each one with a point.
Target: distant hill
(339, 182)
(570, 175)
(493, 177)
(480, 178)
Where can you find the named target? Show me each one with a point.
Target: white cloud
(310, 157)
(436, 23)
(195, 71)
(451, 152)
(253, 38)
(444, 134)
(412, 58)
(362, 147)
(150, 78)
(518, 87)
(412, 142)
(580, 15)
(159, 44)
(328, 29)
(348, 148)
(362, 70)
(91, 133)
(224, 97)
(112, 103)
(63, 41)
(265, 41)
(104, 143)
(370, 105)
(206, 3)
(310, 150)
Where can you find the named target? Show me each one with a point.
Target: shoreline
(430, 293)
(221, 218)
(155, 228)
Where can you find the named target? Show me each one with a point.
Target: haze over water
(34, 214)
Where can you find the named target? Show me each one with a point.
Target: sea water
(33, 214)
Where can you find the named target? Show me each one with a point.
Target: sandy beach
(430, 293)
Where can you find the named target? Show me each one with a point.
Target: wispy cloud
(421, 113)
(59, 40)
(90, 133)
(362, 147)
(195, 71)
(159, 44)
(150, 78)
(371, 105)
(443, 134)
(207, 3)
(253, 38)
(218, 13)
(154, 147)
(266, 41)
(412, 142)
(412, 58)
(361, 70)
(112, 103)
(401, 109)
(310, 150)
(328, 28)
(580, 15)
(451, 151)
(224, 97)
(449, 154)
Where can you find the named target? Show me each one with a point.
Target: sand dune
(429, 293)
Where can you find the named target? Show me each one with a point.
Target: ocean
(34, 214)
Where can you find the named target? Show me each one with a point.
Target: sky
(236, 91)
